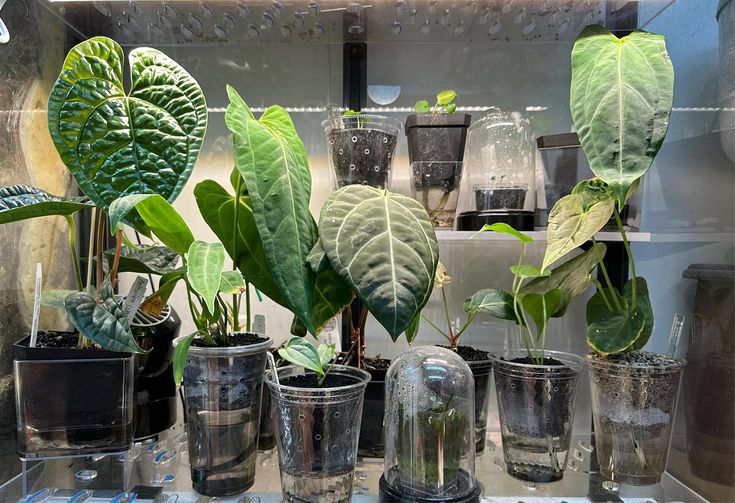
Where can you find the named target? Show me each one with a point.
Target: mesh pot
(222, 388)
(317, 431)
(633, 409)
(536, 407)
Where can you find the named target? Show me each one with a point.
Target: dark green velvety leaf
(317, 258)
(413, 328)
(572, 277)
(116, 144)
(541, 306)
(644, 307)
(181, 351)
(145, 260)
(496, 303)
(104, 323)
(272, 161)
(331, 295)
(55, 298)
(234, 225)
(20, 202)
(620, 98)
(615, 333)
(383, 244)
(598, 310)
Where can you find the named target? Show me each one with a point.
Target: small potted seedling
(318, 408)
(75, 390)
(633, 392)
(436, 140)
(361, 148)
(536, 388)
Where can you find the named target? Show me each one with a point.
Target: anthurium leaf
(272, 161)
(116, 144)
(158, 215)
(541, 306)
(301, 352)
(451, 108)
(55, 298)
(528, 271)
(145, 260)
(317, 258)
(204, 266)
(105, 323)
(330, 296)
(572, 277)
(492, 301)
(298, 328)
(422, 107)
(446, 96)
(232, 282)
(573, 221)
(233, 223)
(20, 202)
(620, 98)
(604, 304)
(413, 328)
(181, 351)
(616, 332)
(502, 228)
(643, 308)
(383, 244)
(326, 352)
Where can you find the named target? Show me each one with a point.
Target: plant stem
(100, 245)
(608, 282)
(361, 336)
(73, 250)
(235, 222)
(248, 325)
(600, 289)
(427, 320)
(634, 298)
(116, 261)
(452, 338)
(90, 252)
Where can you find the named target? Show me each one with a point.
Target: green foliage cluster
(444, 103)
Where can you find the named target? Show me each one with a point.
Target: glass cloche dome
(498, 184)
(429, 429)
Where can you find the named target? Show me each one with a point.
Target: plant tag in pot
(134, 298)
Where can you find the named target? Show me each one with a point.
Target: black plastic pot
(155, 391)
(267, 429)
(73, 401)
(371, 443)
(437, 137)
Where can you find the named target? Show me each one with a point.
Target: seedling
(301, 352)
(444, 103)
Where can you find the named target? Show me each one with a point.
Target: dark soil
(310, 381)
(376, 363)
(240, 339)
(67, 340)
(361, 156)
(527, 360)
(639, 359)
(470, 354)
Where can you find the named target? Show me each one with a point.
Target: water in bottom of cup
(535, 459)
(317, 487)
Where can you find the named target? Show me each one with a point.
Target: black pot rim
(22, 352)
(462, 120)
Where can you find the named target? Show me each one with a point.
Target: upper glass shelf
(170, 22)
(685, 236)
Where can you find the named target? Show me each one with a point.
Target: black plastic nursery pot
(536, 407)
(371, 443)
(361, 149)
(437, 137)
(155, 391)
(633, 403)
(317, 431)
(222, 389)
(72, 402)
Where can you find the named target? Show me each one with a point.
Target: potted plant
(436, 141)
(361, 148)
(630, 80)
(88, 113)
(536, 388)
(318, 408)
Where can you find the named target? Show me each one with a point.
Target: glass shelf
(448, 235)
(580, 480)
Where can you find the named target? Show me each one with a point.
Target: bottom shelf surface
(159, 471)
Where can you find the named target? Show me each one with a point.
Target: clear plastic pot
(435, 184)
(361, 149)
(481, 371)
(536, 407)
(633, 410)
(317, 431)
(222, 388)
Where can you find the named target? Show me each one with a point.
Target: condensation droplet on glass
(299, 448)
(564, 26)
(400, 7)
(102, 8)
(578, 454)
(137, 8)
(446, 18)
(336, 415)
(459, 29)
(157, 31)
(470, 7)
(286, 30)
(530, 486)
(268, 20)
(433, 7)
(364, 182)
(484, 17)
(166, 22)
(230, 21)
(341, 151)
(132, 21)
(170, 11)
(277, 8)
(253, 31)
(125, 31)
(195, 22)
(556, 388)
(348, 430)
(220, 32)
(299, 19)
(397, 28)
(206, 9)
(508, 6)
(243, 9)
(512, 386)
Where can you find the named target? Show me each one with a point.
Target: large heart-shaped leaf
(616, 332)
(204, 266)
(20, 202)
(272, 161)
(573, 221)
(145, 259)
(116, 144)
(105, 322)
(233, 223)
(572, 278)
(383, 244)
(158, 215)
(621, 96)
(643, 307)
(496, 303)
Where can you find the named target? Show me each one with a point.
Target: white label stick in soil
(272, 365)
(134, 298)
(36, 305)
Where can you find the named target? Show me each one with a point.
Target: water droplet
(220, 32)
(170, 11)
(230, 21)
(299, 18)
(556, 388)
(86, 475)
(512, 386)
(195, 21)
(300, 449)
(364, 182)
(187, 33)
(253, 31)
(243, 9)
(348, 430)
